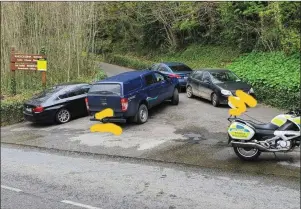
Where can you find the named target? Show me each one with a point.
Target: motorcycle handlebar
(295, 112)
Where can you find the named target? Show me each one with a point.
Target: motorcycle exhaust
(254, 145)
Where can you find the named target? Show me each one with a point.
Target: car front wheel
(189, 92)
(214, 100)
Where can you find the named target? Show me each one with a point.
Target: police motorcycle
(249, 139)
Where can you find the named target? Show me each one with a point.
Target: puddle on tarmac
(199, 133)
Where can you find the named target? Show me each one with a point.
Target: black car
(215, 85)
(60, 104)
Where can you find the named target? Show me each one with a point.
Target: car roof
(70, 84)
(173, 63)
(213, 70)
(66, 87)
(127, 76)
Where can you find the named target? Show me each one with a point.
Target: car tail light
(174, 76)
(38, 109)
(124, 104)
(86, 101)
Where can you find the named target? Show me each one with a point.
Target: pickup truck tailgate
(103, 95)
(98, 103)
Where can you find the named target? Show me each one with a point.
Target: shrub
(12, 108)
(275, 77)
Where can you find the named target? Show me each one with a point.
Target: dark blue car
(132, 94)
(174, 69)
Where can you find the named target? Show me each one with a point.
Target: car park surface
(193, 132)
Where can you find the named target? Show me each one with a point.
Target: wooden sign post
(32, 62)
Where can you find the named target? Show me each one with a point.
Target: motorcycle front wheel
(247, 154)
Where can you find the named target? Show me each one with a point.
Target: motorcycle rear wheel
(247, 154)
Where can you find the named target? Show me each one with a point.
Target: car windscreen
(224, 76)
(106, 89)
(178, 68)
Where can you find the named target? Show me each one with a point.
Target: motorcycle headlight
(226, 92)
(251, 91)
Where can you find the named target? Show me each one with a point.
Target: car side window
(149, 79)
(84, 89)
(192, 75)
(162, 69)
(63, 96)
(154, 67)
(79, 91)
(206, 76)
(159, 77)
(199, 76)
(68, 93)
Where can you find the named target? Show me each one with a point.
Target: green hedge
(12, 107)
(275, 77)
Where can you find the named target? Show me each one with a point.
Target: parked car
(215, 85)
(132, 94)
(60, 104)
(174, 69)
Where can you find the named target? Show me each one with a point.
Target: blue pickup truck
(131, 95)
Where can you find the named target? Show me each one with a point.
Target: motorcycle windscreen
(240, 131)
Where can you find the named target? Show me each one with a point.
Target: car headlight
(226, 92)
(251, 91)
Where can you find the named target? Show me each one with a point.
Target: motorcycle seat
(265, 126)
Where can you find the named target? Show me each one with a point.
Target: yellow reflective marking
(277, 122)
(108, 127)
(240, 104)
(296, 120)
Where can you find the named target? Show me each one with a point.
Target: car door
(75, 99)
(152, 89)
(166, 87)
(196, 83)
(205, 86)
(80, 94)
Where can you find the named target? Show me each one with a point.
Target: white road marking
(11, 188)
(79, 204)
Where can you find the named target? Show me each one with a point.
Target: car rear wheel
(142, 114)
(175, 97)
(214, 100)
(189, 92)
(63, 116)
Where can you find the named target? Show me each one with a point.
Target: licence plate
(28, 109)
(185, 77)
